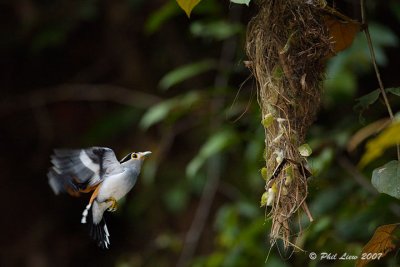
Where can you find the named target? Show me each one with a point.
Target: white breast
(117, 186)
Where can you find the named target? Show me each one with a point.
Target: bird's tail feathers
(86, 212)
(99, 232)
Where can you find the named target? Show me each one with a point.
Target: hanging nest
(287, 44)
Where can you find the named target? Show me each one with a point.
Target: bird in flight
(96, 170)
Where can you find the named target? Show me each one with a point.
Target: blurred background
(137, 75)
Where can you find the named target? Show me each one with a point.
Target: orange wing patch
(72, 192)
(88, 189)
(95, 193)
(75, 193)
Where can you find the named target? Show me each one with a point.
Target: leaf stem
(373, 58)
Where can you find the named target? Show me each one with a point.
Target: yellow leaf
(267, 120)
(264, 199)
(375, 147)
(188, 5)
(264, 173)
(380, 243)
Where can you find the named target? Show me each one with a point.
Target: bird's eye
(134, 155)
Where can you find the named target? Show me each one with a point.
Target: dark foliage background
(109, 73)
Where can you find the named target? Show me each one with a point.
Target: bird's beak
(145, 154)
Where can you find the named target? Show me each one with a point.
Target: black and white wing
(81, 170)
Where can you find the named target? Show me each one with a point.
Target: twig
(358, 177)
(332, 11)
(307, 211)
(196, 229)
(373, 58)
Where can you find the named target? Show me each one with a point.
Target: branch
(199, 221)
(77, 92)
(356, 174)
(378, 75)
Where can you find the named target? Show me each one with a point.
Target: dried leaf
(188, 5)
(369, 130)
(381, 242)
(341, 31)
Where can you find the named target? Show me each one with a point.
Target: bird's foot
(114, 204)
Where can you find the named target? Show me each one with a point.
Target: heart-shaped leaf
(386, 179)
(188, 5)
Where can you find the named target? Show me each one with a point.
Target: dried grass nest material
(287, 44)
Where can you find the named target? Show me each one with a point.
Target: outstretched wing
(81, 170)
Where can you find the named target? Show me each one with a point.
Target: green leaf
(157, 113)
(394, 90)
(382, 36)
(263, 200)
(375, 147)
(264, 173)
(241, 2)
(219, 30)
(185, 72)
(159, 17)
(267, 120)
(305, 150)
(365, 101)
(188, 5)
(161, 111)
(386, 179)
(214, 145)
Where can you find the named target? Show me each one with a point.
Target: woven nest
(287, 44)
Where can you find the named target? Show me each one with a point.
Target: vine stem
(373, 58)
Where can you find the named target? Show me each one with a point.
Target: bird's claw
(114, 205)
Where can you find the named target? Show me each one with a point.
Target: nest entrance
(287, 44)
